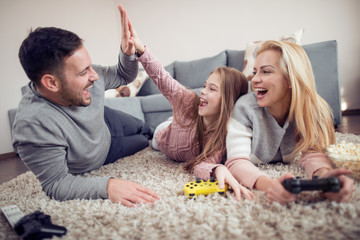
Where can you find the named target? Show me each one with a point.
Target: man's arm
(45, 156)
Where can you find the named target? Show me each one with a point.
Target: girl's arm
(173, 91)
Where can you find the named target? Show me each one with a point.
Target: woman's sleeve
(313, 161)
(238, 146)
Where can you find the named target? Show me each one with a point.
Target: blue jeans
(128, 134)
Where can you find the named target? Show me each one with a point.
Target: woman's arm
(238, 144)
(317, 164)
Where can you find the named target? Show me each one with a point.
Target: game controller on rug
(201, 187)
(296, 185)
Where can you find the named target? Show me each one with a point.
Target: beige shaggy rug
(177, 217)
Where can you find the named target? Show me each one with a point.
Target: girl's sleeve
(313, 161)
(173, 91)
(204, 169)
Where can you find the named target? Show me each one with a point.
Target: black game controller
(38, 225)
(296, 185)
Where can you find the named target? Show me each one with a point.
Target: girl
(284, 117)
(197, 133)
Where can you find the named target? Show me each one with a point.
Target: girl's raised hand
(140, 48)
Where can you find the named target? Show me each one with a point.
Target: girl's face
(210, 99)
(272, 88)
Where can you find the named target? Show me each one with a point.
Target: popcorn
(346, 155)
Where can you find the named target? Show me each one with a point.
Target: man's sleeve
(46, 158)
(121, 74)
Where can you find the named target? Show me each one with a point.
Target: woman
(284, 117)
(196, 134)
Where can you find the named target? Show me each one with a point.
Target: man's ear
(50, 82)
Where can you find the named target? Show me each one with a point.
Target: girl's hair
(313, 116)
(233, 84)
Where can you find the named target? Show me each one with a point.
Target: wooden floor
(11, 166)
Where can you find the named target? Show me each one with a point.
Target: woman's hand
(223, 176)
(347, 185)
(274, 189)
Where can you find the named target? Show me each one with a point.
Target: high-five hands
(129, 39)
(127, 44)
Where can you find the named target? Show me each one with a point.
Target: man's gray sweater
(59, 143)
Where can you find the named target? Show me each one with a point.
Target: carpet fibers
(177, 217)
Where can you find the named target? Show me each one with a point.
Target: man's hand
(127, 43)
(347, 185)
(223, 176)
(129, 193)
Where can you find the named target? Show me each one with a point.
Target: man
(62, 129)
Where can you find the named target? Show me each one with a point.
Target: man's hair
(44, 51)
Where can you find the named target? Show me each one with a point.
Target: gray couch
(153, 108)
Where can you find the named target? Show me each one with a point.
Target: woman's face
(270, 84)
(210, 98)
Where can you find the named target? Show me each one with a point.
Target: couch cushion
(193, 74)
(149, 86)
(235, 59)
(129, 105)
(323, 58)
(155, 103)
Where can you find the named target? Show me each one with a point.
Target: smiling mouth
(203, 103)
(261, 92)
(86, 90)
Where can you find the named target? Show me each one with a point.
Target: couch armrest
(11, 114)
(324, 61)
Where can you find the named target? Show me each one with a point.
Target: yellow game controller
(201, 187)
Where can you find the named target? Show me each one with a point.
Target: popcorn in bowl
(346, 155)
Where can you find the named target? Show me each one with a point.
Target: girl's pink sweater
(177, 142)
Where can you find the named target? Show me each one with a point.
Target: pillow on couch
(193, 74)
(129, 90)
(132, 89)
(252, 47)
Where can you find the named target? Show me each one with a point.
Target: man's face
(78, 76)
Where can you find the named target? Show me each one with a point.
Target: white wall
(178, 30)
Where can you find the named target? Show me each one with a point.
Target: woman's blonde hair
(233, 84)
(312, 114)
